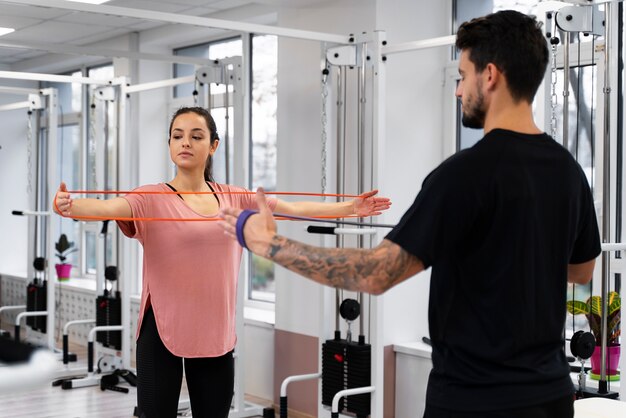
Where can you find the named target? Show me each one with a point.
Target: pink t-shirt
(190, 270)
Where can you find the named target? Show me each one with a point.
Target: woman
(190, 270)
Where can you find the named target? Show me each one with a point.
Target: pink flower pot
(612, 360)
(63, 271)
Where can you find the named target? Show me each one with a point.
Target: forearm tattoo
(367, 270)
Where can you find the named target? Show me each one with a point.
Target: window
(264, 153)
(68, 155)
(233, 47)
(77, 161)
(100, 133)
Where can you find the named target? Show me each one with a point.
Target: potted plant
(592, 309)
(64, 247)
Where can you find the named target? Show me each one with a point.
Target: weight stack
(333, 370)
(346, 365)
(109, 312)
(36, 300)
(359, 375)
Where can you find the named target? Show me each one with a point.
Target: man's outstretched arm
(368, 270)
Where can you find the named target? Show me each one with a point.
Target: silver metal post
(361, 151)
(341, 159)
(209, 102)
(227, 118)
(566, 68)
(341, 137)
(606, 194)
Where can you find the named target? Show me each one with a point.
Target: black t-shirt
(499, 223)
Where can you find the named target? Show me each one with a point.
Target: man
(504, 226)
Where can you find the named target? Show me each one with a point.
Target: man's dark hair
(514, 43)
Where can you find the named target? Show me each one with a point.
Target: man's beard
(474, 117)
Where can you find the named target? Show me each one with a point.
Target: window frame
(81, 118)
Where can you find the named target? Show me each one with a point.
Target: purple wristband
(241, 222)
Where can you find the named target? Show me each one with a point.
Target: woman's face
(190, 142)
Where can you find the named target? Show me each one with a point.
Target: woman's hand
(369, 205)
(62, 201)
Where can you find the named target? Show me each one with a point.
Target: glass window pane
(264, 105)
(219, 158)
(105, 124)
(528, 7)
(264, 152)
(94, 117)
(104, 72)
(466, 137)
(183, 70)
(68, 167)
(90, 252)
(262, 285)
(581, 123)
(469, 9)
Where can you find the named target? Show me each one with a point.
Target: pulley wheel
(582, 344)
(39, 264)
(111, 273)
(349, 309)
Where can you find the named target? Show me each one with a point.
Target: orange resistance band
(104, 218)
(211, 192)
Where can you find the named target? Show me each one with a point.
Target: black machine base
(594, 393)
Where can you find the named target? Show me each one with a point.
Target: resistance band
(211, 192)
(278, 216)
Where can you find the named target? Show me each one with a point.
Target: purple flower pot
(63, 271)
(612, 360)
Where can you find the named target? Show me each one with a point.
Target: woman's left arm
(367, 204)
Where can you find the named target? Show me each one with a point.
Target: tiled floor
(85, 402)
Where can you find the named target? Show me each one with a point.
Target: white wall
(413, 146)
(153, 120)
(259, 359)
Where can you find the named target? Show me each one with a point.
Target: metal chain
(324, 125)
(553, 96)
(92, 142)
(29, 153)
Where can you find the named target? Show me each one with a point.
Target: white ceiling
(35, 26)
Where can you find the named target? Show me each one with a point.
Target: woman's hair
(210, 123)
(514, 43)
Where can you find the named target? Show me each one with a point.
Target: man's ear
(492, 76)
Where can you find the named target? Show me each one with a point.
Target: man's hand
(258, 230)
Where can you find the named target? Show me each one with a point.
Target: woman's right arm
(110, 208)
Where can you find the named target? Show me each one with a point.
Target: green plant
(592, 309)
(64, 248)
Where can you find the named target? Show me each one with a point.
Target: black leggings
(210, 380)
(560, 408)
